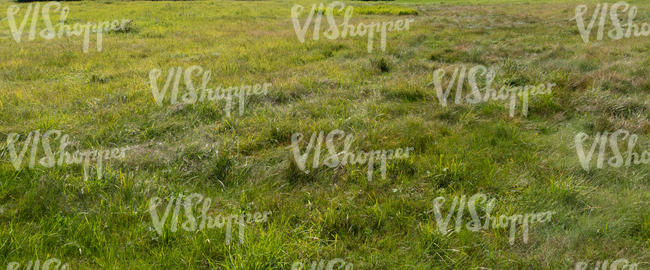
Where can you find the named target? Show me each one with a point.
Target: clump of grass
(221, 169)
(281, 134)
(404, 94)
(544, 105)
(97, 78)
(381, 64)
(296, 176)
(448, 173)
(126, 28)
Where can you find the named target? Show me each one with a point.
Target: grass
(374, 9)
(386, 99)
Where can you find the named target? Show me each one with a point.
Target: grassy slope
(103, 100)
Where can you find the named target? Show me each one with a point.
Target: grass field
(104, 100)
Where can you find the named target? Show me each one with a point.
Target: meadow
(386, 99)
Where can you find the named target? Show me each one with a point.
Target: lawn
(386, 99)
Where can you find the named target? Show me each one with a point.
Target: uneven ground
(386, 99)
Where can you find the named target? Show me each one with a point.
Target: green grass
(374, 9)
(386, 99)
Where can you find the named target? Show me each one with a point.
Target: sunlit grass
(386, 99)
